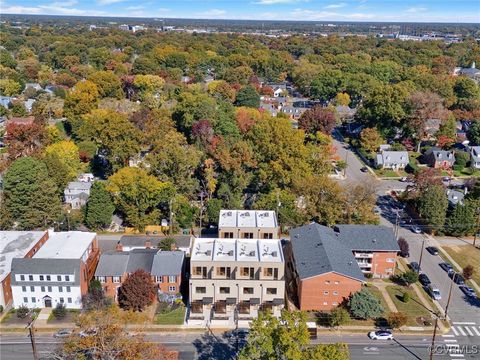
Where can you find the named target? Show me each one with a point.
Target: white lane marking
(449, 335)
(468, 330)
(461, 331)
(457, 355)
(475, 330)
(454, 331)
(450, 340)
(463, 323)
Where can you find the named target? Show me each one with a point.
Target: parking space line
(448, 335)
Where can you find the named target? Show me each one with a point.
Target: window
(22, 277)
(24, 289)
(248, 271)
(268, 236)
(59, 277)
(327, 282)
(390, 260)
(272, 291)
(32, 288)
(335, 293)
(334, 303)
(60, 289)
(159, 279)
(201, 271)
(337, 282)
(69, 300)
(41, 277)
(228, 235)
(67, 278)
(325, 293)
(50, 289)
(62, 300)
(201, 290)
(116, 279)
(25, 300)
(172, 279)
(42, 288)
(172, 288)
(224, 290)
(248, 235)
(325, 303)
(101, 279)
(68, 289)
(248, 290)
(268, 272)
(34, 300)
(30, 277)
(222, 271)
(48, 278)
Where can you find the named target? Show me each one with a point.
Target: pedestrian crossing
(459, 330)
(465, 329)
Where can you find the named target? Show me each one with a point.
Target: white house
(76, 193)
(475, 157)
(391, 159)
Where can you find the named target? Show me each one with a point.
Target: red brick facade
(383, 263)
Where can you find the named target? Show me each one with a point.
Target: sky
(314, 10)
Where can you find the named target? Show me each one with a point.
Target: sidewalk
(381, 285)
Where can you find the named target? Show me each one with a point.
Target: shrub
(339, 316)
(22, 312)
(365, 305)
(369, 275)
(410, 277)
(406, 297)
(468, 272)
(60, 311)
(397, 319)
(1, 308)
(458, 167)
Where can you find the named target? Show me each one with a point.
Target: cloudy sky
(340, 10)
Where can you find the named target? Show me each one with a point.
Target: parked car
(364, 169)
(63, 333)
(88, 333)
(468, 291)
(446, 266)
(432, 250)
(446, 179)
(424, 280)
(416, 229)
(415, 266)
(380, 335)
(404, 179)
(434, 292)
(457, 278)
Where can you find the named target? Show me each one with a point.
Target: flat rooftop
(15, 244)
(66, 245)
(237, 250)
(248, 218)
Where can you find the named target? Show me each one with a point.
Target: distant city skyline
(458, 11)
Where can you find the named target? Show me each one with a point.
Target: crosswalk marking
(448, 335)
(460, 330)
(475, 330)
(463, 323)
(450, 340)
(454, 331)
(456, 355)
(469, 331)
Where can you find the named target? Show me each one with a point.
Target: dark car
(432, 250)
(424, 280)
(457, 278)
(63, 333)
(468, 291)
(364, 169)
(446, 266)
(415, 266)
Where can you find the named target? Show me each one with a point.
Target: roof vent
(251, 253)
(208, 252)
(350, 263)
(230, 253)
(274, 254)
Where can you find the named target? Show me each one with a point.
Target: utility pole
(346, 164)
(450, 294)
(396, 225)
(170, 228)
(421, 255)
(477, 227)
(31, 331)
(201, 213)
(433, 338)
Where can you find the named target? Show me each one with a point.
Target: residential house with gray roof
(439, 159)
(77, 193)
(394, 160)
(475, 157)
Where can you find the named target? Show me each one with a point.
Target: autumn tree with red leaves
(137, 291)
(317, 119)
(24, 139)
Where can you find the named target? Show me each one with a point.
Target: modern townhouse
(165, 268)
(232, 279)
(248, 224)
(58, 273)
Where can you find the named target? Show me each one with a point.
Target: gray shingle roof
(367, 237)
(45, 266)
(112, 264)
(141, 259)
(392, 157)
(167, 263)
(317, 251)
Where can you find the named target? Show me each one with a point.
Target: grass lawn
(466, 172)
(174, 317)
(12, 318)
(390, 173)
(70, 316)
(414, 308)
(465, 255)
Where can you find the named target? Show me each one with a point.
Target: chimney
(148, 244)
(119, 246)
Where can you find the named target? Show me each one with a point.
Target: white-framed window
(25, 300)
(116, 279)
(34, 300)
(42, 288)
(30, 277)
(67, 278)
(159, 279)
(390, 260)
(69, 300)
(24, 289)
(101, 279)
(172, 288)
(62, 300)
(22, 277)
(59, 277)
(60, 289)
(335, 293)
(337, 282)
(334, 303)
(327, 282)
(68, 289)
(172, 279)
(41, 277)
(48, 278)
(50, 289)
(325, 303)
(32, 288)
(325, 293)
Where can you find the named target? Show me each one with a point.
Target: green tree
(338, 351)
(342, 99)
(410, 277)
(80, 100)
(9, 87)
(137, 196)
(365, 305)
(167, 244)
(213, 210)
(462, 219)
(432, 206)
(339, 316)
(284, 202)
(248, 96)
(30, 195)
(108, 84)
(448, 128)
(370, 139)
(327, 84)
(185, 213)
(465, 88)
(63, 162)
(99, 209)
(473, 133)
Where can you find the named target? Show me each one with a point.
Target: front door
(48, 302)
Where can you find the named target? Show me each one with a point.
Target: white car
(380, 335)
(416, 230)
(434, 292)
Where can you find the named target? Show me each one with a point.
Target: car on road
(434, 292)
(415, 266)
(446, 266)
(446, 179)
(468, 291)
(364, 169)
(424, 279)
(457, 278)
(432, 250)
(63, 333)
(380, 335)
(416, 229)
(88, 333)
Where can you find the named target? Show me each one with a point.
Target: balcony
(363, 255)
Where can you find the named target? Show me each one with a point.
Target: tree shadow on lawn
(399, 297)
(212, 347)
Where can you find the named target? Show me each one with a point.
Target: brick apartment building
(325, 266)
(165, 267)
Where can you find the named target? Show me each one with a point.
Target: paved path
(381, 286)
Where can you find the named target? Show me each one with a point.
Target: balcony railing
(363, 255)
